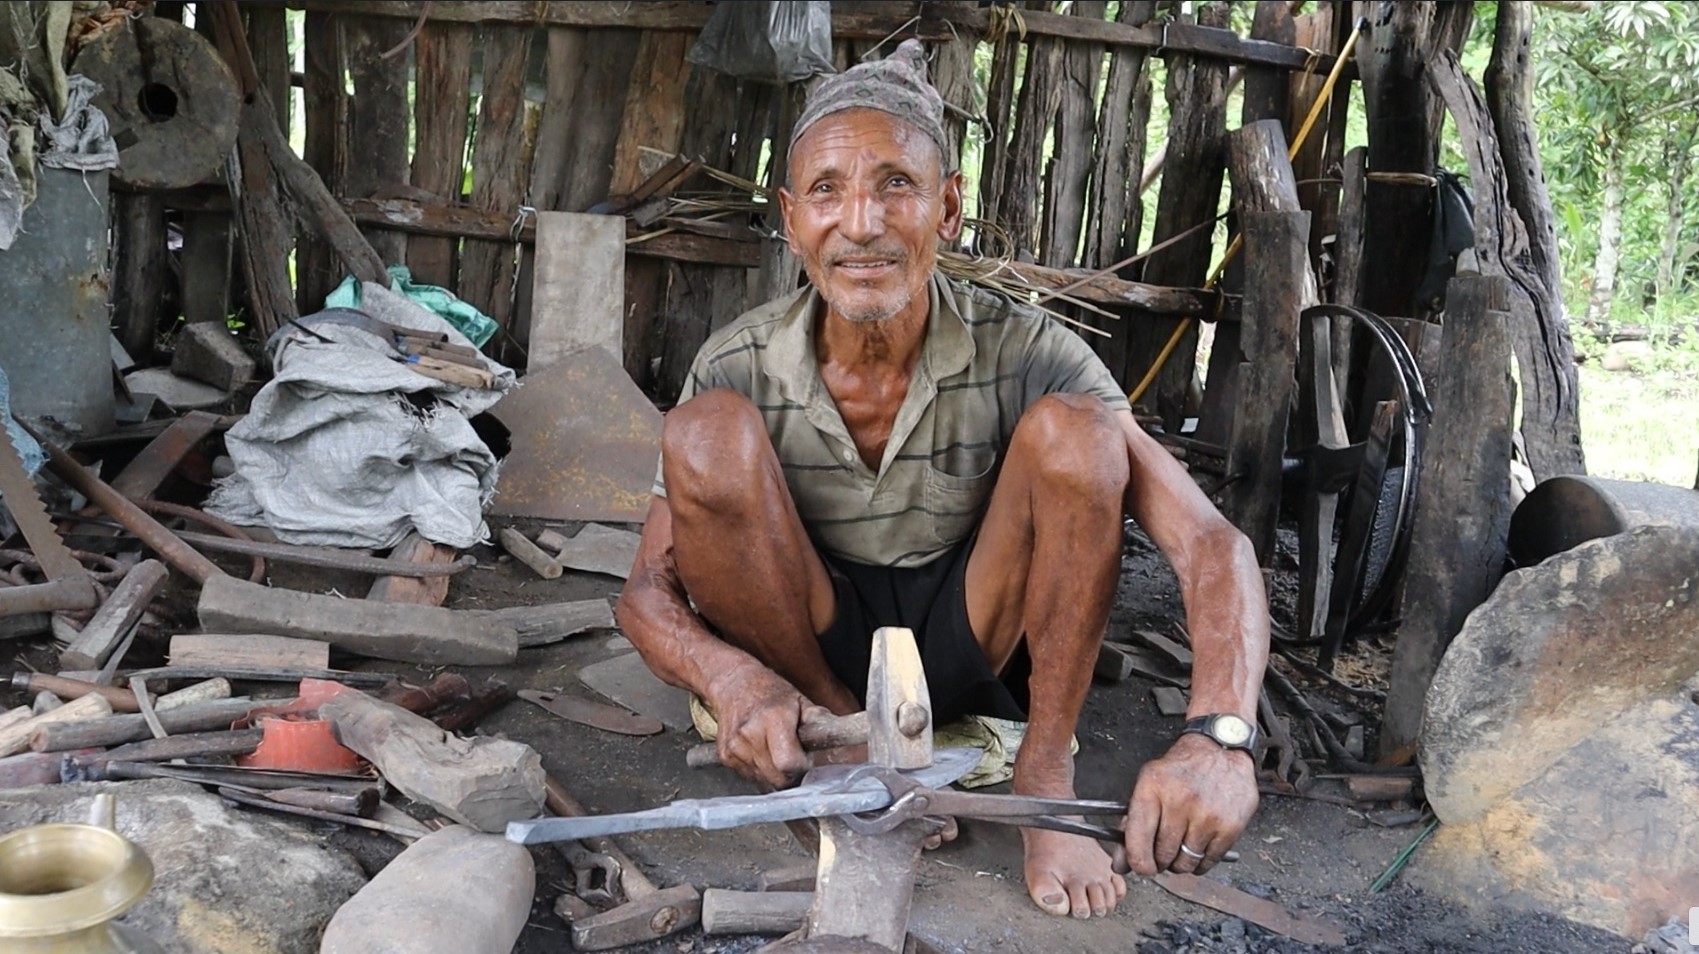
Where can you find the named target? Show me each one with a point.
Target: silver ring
(1189, 852)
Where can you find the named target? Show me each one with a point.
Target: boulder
(1560, 743)
(226, 880)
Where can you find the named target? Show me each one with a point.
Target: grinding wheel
(171, 102)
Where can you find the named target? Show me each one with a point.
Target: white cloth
(345, 446)
(82, 141)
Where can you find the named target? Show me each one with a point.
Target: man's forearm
(673, 641)
(1227, 616)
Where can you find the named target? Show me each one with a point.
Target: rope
(1238, 241)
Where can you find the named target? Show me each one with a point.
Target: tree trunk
(1676, 158)
(1610, 240)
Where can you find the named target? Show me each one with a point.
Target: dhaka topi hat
(896, 85)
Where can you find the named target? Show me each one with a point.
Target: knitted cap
(896, 85)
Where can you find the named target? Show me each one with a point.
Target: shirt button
(849, 455)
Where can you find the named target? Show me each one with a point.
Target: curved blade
(829, 790)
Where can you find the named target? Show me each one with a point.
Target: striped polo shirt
(985, 360)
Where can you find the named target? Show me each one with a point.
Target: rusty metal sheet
(1213, 894)
(585, 443)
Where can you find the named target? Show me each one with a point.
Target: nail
(1051, 900)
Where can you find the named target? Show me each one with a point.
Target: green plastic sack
(471, 322)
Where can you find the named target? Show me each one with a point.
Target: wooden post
(441, 105)
(326, 150)
(563, 73)
(1276, 260)
(1041, 96)
(999, 101)
(138, 273)
(1462, 519)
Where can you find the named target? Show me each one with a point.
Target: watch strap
(1205, 725)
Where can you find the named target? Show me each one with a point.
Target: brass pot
(62, 886)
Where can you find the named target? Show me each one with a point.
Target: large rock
(1561, 740)
(226, 881)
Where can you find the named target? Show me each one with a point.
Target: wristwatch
(1228, 730)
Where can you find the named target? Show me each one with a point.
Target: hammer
(648, 912)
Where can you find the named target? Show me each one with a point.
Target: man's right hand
(758, 714)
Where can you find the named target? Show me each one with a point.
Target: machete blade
(594, 714)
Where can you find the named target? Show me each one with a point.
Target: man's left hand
(1198, 795)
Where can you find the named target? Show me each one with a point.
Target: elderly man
(887, 447)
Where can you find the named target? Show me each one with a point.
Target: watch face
(1231, 730)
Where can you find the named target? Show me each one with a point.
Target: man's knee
(710, 445)
(1074, 442)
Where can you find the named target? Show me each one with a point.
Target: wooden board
(578, 287)
(248, 651)
(1073, 156)
(425, 590)
(326, 150)
(441, 107)
(498, 171)
(378, 118)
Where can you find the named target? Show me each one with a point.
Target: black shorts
(931, 600)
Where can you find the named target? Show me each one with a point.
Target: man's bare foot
(1070, 874)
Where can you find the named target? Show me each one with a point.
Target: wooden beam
(936, 22)
(441, 107)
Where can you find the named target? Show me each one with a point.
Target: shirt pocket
(955, 501)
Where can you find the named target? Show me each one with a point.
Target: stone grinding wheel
(171, 102)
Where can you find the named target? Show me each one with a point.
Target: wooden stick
(203, 649)
(121, 700)
(118, 729)
(754, 912)
(827, 733)
(207, 691)
(112, 622)
(529, 553)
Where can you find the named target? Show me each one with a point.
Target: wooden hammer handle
(122, 700)
(560, 801)
(827, 733)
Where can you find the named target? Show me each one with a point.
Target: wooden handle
(446, 688)
(828, 733)
(754, 912)
(122, 700)
(560, 801)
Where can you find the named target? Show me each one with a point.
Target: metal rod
(49, 597)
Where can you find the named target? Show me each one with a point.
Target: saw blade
(822, 793)
(55, 557)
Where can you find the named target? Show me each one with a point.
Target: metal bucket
(54, 320)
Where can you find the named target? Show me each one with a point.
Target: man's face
(869, 207)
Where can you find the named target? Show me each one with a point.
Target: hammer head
(642, 918)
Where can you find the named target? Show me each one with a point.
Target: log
(326, 150)
(754, 912)
(188, 745)
(377, 118)
(1191, 188)
(260, 209)
(1462, 521)
(482, 782)
(395, 631)
(204, 649)
(16, 738)
(113, 621)
(419, 902)
(118, 729)
(139, 271)
(34, 768)
(552, 622)
(442, 104)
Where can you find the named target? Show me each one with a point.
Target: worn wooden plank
(1462, 519)
(999, 113)
(1191, 187)
(425, 590)
(1264, 98)
(1035, 111)
(487, 268)
(113, 621)
(268, 38)
(138, 273)
(1312, 31)
(442, 104)
(378, 118)
(1073, 155)
(206, 266)
(265, 230)
(952, 72)
(326, 150)
(1114, 231)
(549, 172)
(578, 285)
(250, 651)
(600, 107)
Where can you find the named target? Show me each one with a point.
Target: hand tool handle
(558, 800)
(122, 700)
(826, 733)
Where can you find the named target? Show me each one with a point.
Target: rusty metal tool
(70, 585)
(648, 913)
(596, 877)
(594, 714)
(1267, 914)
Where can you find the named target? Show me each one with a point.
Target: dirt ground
(1312, 856)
